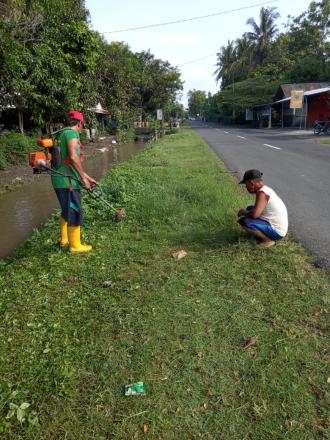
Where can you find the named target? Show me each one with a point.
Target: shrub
(14, 149)
(126, 136)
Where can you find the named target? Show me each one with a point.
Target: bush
(14, 149)
(83, 137)
(126, 136)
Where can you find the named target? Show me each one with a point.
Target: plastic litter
(107, 283)
(135, 389)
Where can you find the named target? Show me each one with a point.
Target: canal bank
(230, 341)
(17, 175)
(29, 199)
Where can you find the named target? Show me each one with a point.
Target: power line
(190, 19)
(197, 59)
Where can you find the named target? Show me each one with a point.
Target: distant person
(267, 219)
(67, 189)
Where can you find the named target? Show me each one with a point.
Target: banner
(296, 100)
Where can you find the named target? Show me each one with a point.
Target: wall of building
(293, 118)
(318, 108)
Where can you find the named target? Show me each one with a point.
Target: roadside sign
(159, 114)
(248, 114)
(296, 100)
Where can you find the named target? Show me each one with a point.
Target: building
(315, 106)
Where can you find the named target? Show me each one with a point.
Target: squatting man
(267, 219)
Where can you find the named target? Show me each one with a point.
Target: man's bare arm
(258, 209)
(260, 205)
(73, 146)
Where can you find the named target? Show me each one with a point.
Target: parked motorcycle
(321, 127)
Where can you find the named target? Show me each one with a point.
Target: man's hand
(88, 182)
(241, 213)
(92, 181)
(85, 183)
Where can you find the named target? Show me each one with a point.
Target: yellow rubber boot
(64, 232)
(74, 241)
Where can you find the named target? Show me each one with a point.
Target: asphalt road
(295, 165)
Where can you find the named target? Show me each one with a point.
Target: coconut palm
(264, 32)
(244, 47)
(226, 59)
(244, 57)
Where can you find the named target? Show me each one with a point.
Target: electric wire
(190, 19)
(197, 59)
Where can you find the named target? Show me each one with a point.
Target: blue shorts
(256, 224)
(70, 202)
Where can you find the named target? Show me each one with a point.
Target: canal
(31, 204)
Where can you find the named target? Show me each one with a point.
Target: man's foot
(81, 248)
(266, 244)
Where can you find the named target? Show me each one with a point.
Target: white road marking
(242, 137)
(272, 146)
(227, 132)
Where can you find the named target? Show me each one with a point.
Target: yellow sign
(296, 100)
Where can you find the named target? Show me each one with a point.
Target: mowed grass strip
(76, 328)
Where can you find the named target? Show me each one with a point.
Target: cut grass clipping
(230, 341)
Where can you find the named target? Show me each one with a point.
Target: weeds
(14, 149)
(75, 329)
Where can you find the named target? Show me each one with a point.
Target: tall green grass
(76, 328)
(14, 149)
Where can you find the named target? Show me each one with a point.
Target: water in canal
(29, 206)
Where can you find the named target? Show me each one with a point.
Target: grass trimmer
(97, 193)
(41, 163)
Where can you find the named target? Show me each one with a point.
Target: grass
(14, 149)
(325, 141)
(76, 329)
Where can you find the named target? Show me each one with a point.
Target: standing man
(67, 188)
(267, 219)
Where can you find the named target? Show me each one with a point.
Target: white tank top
(275, 212)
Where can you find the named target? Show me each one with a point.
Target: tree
(158, 83)
(252, 67)
(229, 104)
(18, 31)
(308, 69)
(50, 61)
(118, 78)
(48, 55)
(196, 103)
(134, 85)
(226, 59)
(308, 32)
(263, 33)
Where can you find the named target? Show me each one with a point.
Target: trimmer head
(120, 214)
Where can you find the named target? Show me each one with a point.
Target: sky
(183, 42)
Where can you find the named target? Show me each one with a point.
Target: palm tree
(264, 33)
(245, 57)
(226, 59)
